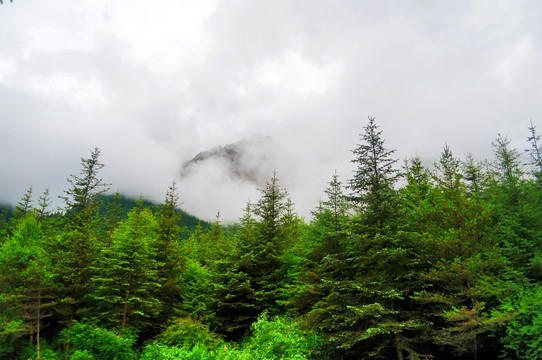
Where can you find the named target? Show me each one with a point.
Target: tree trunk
(398, 347)
(126, 295)
(38, 322)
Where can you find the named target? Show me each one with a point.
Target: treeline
(398, 262)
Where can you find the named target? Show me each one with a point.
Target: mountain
(249, 160)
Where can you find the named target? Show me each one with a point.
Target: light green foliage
(197, 290)
(87, 341)
(279, 338)
(26, 282)
(523, 338)
(126, 281)
(186, 332)
(82, 355)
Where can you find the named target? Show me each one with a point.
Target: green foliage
(187, 222)
(46, 353)
(126, 280)
(279, 338)
(523, 339)
(86, 340)
(186, 332)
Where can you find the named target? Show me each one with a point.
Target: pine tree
(235, 303)
(373, 180)
(76, 249)
(365, 309)
(264, 268)
(27, 282)
(126, 280)
(168, 254)
(535, 152)
(250, 281)
(25, 205)
(44, 203)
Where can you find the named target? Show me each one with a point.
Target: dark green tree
(372, 184)
(365, 310)
(80, 198)
(25, 205)
(168, 254)
(77, 248)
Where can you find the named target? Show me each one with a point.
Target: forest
(400, 261)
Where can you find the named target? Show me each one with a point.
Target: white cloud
(86, 94)
(153, 84)
(512, 59)
(293, 72)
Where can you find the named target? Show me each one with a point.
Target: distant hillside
(6, 212)
(187, 221)
(126, 204)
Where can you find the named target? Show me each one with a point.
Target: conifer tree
(535, 152)
(76, 249)
(235, 303)
(251, 281)
(372, 184)
(25, 205)
(365, 309)
(27, 282)
(80, 198)
(168, 254)
(44, 202)
(270, 243)
(126, 280)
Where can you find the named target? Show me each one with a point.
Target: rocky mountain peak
(250, 159)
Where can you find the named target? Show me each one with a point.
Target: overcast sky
(152, 83)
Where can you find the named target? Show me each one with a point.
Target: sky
(154, 83)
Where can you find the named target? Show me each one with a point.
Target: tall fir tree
(27, 281)
(76, 249)
(169, 254)
(126, 278)
(372, 184)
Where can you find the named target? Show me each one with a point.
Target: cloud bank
(152, 85)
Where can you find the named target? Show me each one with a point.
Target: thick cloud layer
(153, 84)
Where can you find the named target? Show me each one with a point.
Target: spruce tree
(27, 281)
(365, 309)
(168, 254)
(127, 280)
(371, 186)
(77, 248)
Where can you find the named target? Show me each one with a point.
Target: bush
(30, 352)
(279, 338)
(523, 338)
(92, 341)
(187, 333)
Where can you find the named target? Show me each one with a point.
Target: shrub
(279, 338)
(92, 341)
(187, 333)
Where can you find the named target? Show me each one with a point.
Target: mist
(154, 85)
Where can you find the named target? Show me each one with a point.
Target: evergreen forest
(399, 261)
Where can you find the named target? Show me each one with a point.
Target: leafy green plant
(279, 338)
(523, 338)
(188, 333)
(88, 339)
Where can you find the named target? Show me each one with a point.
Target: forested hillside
(400, 261)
